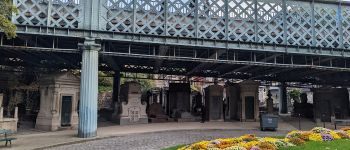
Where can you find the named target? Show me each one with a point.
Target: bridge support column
(283, 99)
(88, 89)
(116, 86)
(115, 97)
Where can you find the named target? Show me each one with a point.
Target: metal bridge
(274, 40)
(188, 37)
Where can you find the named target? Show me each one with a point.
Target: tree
(295, 95)
(6, 10)
(105, 84)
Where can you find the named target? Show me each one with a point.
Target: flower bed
(251, 142)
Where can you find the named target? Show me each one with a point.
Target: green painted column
(88, 89)
(283, 99)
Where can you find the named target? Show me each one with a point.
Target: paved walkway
(159, 140)
(42, 140)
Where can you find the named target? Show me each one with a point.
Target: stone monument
(131, 110)
(179, 99)
(214, 103)
(156, 113)
(59, 96)
(269, 103)
(330, 103)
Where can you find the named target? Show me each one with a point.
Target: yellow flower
(315, 137)
(250, 144)
(269, 139)
(334, 135)
(199, 145)
(348, 132)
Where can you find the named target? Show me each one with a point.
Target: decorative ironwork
(211, 23)
(181, 18)
(299, 26)
(65, 13)
(326, 27)
(119, 15)
(346, 26)
(269, 21)
(149, 17)
(296, 23)
(31, 12)
(51, 13)
(241, 21)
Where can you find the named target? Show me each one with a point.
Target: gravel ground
(159, 140)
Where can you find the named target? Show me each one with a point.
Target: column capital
(89, 44)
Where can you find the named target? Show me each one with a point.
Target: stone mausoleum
(59, 97)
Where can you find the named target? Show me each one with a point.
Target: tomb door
(66, 110)
(249, 107)
(216, 108)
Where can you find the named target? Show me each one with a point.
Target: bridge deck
(279, 40)
(307, 27)
(57, 53)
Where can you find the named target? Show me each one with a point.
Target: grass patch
(174, 147)
(343, 144)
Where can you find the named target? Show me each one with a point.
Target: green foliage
(105, 84)
(174, 147)
(295, 94)
(6, 10)
(343, 144)
(146, 84)
(195, 88)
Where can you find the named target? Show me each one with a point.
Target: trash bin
(268, 121)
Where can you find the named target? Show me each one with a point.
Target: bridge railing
(287, 22)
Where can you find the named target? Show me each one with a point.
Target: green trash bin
(268, 122)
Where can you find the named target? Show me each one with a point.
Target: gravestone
(214, 103)
(179, 99)
(330, 103)
(156, 113)
(132, 110)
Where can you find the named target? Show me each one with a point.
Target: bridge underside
(53, 53)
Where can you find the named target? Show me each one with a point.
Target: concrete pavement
(48, 139)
